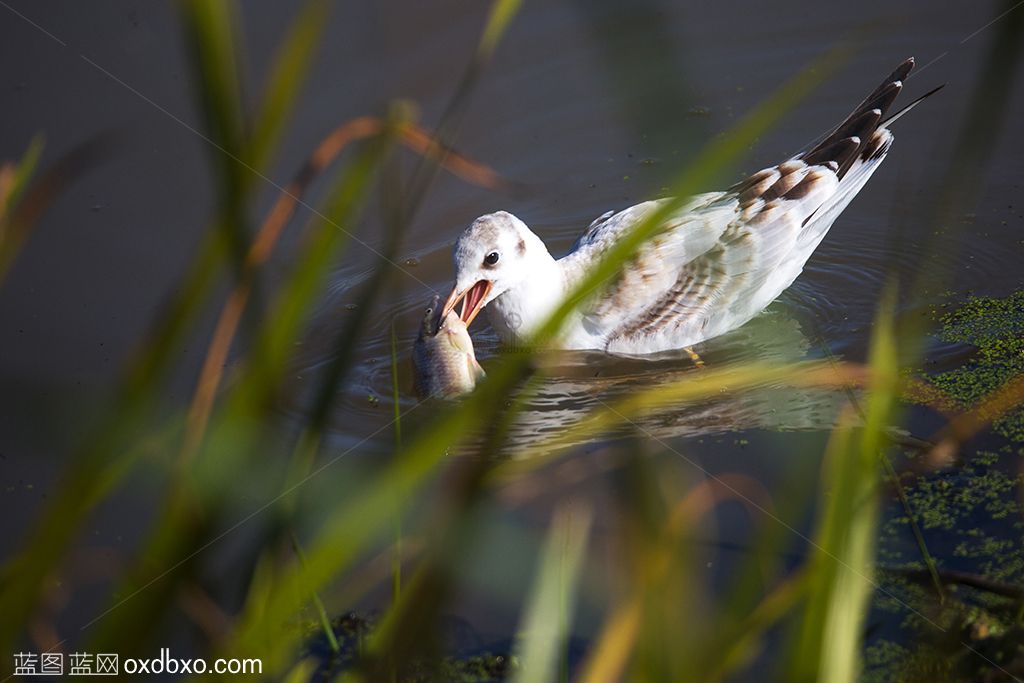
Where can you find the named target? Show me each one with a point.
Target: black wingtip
(870, 114)
(913, 104)
(904, 69)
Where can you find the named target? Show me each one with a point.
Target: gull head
(492, 255)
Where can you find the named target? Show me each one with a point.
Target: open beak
(472, 301)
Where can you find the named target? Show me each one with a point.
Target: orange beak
(472, 301)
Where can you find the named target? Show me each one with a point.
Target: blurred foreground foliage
(309, 539)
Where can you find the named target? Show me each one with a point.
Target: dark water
(590, 106)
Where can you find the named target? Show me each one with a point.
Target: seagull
(714, 264)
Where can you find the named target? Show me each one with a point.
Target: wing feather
(709, 265)
(725, 256)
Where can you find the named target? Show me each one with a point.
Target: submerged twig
(954, 577)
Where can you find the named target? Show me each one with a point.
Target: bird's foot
(697, 360)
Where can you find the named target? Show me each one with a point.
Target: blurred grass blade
(268, 360)
(545, 626)
(303, 672)
(501, 15)
(288, 74)
(847, 582)
(323, 156)
(739, 647)
(346, 532)
(355, 522)
(398, 508)
(234, 437)
(321, 613)
(606, 662)
(210, 28)
(176, 529)
(16, 177)
(670, 395)
(25, 194)
(216, 54)
(842, 562)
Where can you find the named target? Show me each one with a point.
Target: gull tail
(854, 150)
(863, 135)
(913, 104)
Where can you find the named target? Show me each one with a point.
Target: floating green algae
(971, 518)
(353, 631)
(972, 521)
(995, 328)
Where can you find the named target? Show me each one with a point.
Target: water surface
(588, 106)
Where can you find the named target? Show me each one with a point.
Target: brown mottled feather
(761, 232)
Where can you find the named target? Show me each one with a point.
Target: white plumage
(713, 265)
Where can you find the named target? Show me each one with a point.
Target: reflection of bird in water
(713, 265)
(585, 382)
(572, 384)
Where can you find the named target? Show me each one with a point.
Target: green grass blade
(706, 384)
(210, 29)
(287, 76)
(395, 390)
(740, 646)
(26, 193)
(501, 15)
(396, 562)
(343, 536)
(216, 57)
(234, 437)
(321, 613)
(355, 523)
(842, 562)
(327, 236)
(23, 172)
(545, 625)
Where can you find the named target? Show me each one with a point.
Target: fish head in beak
(472, 298)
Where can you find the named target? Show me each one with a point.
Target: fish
(443, 357)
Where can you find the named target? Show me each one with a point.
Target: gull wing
(708, 269)
(725, 256)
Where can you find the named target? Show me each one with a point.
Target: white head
(494, 254)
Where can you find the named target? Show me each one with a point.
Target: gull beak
(472, 300)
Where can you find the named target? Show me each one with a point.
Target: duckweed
(995, 328)
(971, 517)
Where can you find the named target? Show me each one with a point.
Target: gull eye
(491, 258)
